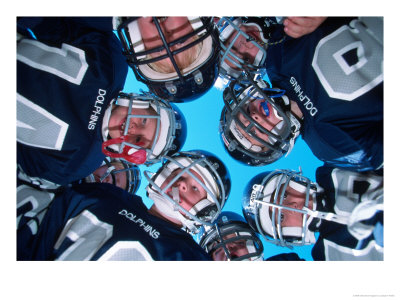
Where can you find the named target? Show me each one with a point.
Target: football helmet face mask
(132, 173)
(243, 43)
(170, 132)
(215, 180)
(231, 238)
(246, 139)
(264, 206)
(181, 85)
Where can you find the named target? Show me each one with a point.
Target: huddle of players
(65, 214)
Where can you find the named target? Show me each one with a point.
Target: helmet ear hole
(207, 212)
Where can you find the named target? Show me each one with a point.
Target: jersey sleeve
(359, 196)
(335, 76)
(67, 75)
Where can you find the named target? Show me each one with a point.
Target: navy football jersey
(32, 205)
(67, 74)
(99, 221)
(360, 197)
(335, 75)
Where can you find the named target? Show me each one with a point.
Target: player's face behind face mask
(141, 128)
(283, 212)
(189, 188)
(102, 175)
(266, 116)
(184, 189)
(236, 249)
(173, 28)
(242, 47)
(292, 199)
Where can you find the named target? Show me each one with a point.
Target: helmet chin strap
(327, 216)
(171, 210)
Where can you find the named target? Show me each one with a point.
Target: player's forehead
(226, 237)
(186, 175)
(287, 189)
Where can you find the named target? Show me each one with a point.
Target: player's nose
(182, 186)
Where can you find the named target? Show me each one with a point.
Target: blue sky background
(202, 117)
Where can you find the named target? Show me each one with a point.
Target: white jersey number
(344, 81)
(33, 204)
(89, 234)
(68, 63)
(35, 126)
(351, 188)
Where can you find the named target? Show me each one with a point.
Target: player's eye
(144, 121)
(246, 60)
(241, 243)
(282, 217)
(248, 109)
(195, 188)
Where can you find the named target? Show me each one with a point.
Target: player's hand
(298, 26)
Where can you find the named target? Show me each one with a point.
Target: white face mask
(265, 219)
(171, 206)
(234, 29)
(166, 121)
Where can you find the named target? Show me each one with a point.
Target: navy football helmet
(254, 35)
(180, 85)
(231, 238)
(244, 138)
(170, 132)
(216, 184)
(115, 166)
(264, 206)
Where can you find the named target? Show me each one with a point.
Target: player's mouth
(264, 108)
(254, 34)
(122, 127)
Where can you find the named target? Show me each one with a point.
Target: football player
(98, 221)
(176, 57)
(190, 189)
(244, 41)
(70, 72)
(117, 172)
(113, 171)
(258, 124)
(336, 93)
(344, 209)
(230, 238)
